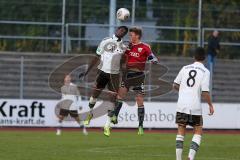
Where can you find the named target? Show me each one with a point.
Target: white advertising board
(41, 113)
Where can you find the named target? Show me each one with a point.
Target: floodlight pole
(133, 11)
(79, 21)
(63, 25)
(199, 23)
(21, 77)
(112, 16)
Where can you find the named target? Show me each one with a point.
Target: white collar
(198, 63)
(114, 37)
(137, 43)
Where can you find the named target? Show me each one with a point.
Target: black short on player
(66, 112)
(111, 80)
(187, 119)
(135, 80)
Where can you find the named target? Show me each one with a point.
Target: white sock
(84, 130)
(92, 102)
(84, 127)
(108, 122)
(196, 140)
(179, 147)
(59, 124)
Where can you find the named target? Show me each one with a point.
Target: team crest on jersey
(140, 49)
(110, 47)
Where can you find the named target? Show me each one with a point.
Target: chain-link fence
(77, 26)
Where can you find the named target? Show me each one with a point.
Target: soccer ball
(123, 14)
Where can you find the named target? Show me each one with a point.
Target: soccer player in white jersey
(136, 58)
(110, 53)
(192, 82)
(70, 93)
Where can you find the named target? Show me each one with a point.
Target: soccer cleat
(107, 131)
(58, 132)
(89, 117)
(140, 130)
(114, 119)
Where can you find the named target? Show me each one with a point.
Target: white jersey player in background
(70, 104)
(192, 82)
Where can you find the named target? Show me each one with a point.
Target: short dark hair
(137, 31)
(199, 54)
(124, 27)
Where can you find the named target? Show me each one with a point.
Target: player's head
(199, 54)
(67, 79)
(135, 34)
(121, 31)
(215, 33)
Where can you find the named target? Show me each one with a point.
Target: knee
(139, 100)
(121, 94)
(60, 118)
(198, 130)
(77, 119)
(181, 130)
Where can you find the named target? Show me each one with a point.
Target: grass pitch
(27, 145)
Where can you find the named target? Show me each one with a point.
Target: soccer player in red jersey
(136, 57)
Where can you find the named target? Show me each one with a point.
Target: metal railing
(31, 37)
(203, 43)
(25, 77)
(70, 38)
(67, 38)
(204, 30)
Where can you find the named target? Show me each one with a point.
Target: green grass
(120, 146)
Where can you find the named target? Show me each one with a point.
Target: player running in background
(136, 57)
(192, 82)
(110, 53)
(69, 92)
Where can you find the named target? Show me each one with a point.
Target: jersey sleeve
(178, 79)
(205, 82)
(100, 48)
(148, 50)
(152, 58)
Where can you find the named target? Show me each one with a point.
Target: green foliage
(184, 13)
(215, 14)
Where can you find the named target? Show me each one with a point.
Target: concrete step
(37, 68)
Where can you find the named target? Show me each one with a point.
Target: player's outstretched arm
(153, 59)
(207, 98)
(177, 81)
(175, 86)
(93, 62)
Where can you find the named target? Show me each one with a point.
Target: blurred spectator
(213, 49)
(70, 103)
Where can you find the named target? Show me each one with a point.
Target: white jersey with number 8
(192, 79)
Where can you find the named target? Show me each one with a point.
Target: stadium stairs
(37, 67)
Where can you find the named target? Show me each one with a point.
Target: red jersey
(137, 56)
